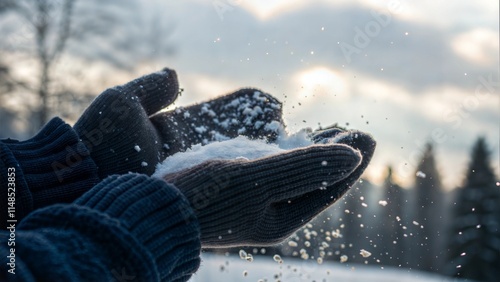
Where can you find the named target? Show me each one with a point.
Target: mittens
(125, 132)
(262, 202)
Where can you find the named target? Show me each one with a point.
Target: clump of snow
(240, 147)
(243, 254)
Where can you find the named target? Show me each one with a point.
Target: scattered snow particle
(364, 253)
(245, 273)
(364, 205)
(166, 147)
(462, 254)
(382, 203)
(144, 164)
(292, 244)
(277, 259)
(415, 223)
(398, 218)
(459, 266)
(420, 174)
(137, 148)
(249, 258)
(347, 211)
(187, 114)
(320, 260)
(325, 244)
(343, 258)
(243, 254)
(324, 163)
(307, 243)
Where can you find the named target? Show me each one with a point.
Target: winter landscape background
(422, 77)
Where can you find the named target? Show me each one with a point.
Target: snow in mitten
(263, 201)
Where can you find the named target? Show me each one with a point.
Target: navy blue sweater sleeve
(52, 167)
(127, 228)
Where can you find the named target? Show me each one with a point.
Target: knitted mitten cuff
(52, 167)
(157, 214)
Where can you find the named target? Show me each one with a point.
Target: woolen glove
(125, 132)
(263, 201)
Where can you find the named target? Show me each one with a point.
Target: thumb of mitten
(116, 127)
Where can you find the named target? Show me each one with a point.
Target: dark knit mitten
(249, 112)
(125, 131)
(52, 167)
(262, 202)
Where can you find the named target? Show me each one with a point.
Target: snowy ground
(232, 268)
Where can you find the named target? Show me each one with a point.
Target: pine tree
(392, 212)
(475, 232)
(428, 225)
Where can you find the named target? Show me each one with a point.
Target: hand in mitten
(124, 130)
(263, 201)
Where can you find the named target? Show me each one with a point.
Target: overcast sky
(404, 71)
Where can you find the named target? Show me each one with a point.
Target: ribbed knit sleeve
(127, 228)
(52, 167)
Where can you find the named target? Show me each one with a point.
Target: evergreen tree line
(455, 233)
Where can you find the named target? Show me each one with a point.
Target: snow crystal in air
(243, 254)
(292, 244)
(364, 253)
(137, 148)
(420, 174)
(343, 258)
(277, 258)
(249, 258)
(382, 203)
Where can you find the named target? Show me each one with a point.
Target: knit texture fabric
(125, 132)
(52, 167)
(127, 228)
(116, 126)
(248, 112)
(262, 202)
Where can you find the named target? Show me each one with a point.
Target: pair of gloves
(236, 202)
